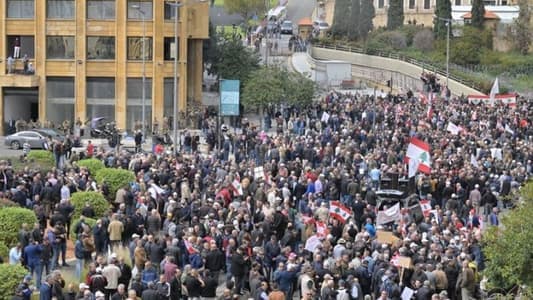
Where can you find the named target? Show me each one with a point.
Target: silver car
(34, 138)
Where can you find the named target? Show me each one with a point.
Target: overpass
(377, 68)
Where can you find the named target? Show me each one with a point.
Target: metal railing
(398, 56)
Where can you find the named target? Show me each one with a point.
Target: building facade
(422, 11)
(69, 59)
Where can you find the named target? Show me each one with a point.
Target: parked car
(286, 27)
(34, 138)
(320, 25)
(49, 132)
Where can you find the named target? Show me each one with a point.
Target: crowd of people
(214, 225)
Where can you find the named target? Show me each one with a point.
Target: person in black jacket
(175, 286)
(194, 284)
(214, 260)
(209, 291)
(238, 268)
(150, 293)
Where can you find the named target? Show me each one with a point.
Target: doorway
(20, 104)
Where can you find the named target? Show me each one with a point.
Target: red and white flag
(189, 247)
(321, 229)
(388, 215)
(338, 211)
(423, 98)
(237, 187)
(419, 150)
(429, 113)
(426, 207)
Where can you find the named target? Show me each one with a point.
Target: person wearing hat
(82, 289)
(339, 248)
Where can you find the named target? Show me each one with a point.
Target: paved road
(218, 16)
(299, 9)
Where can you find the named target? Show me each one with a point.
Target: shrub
(4, 251)
(11, 219)
(88, 221)
(423, 40)
(96, 199)
(7, 203)
(10, 278)
(41, 155)
(115, 178)
(388, 40)
(92, 164)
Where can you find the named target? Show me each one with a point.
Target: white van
(278, 14)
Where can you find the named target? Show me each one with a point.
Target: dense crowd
(196, 225)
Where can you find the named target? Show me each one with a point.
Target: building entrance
(20, 104)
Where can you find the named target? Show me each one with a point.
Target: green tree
(355, 17)
(395, 14)
(443, 11)
(341, 18)
(367, 14)
(245, 8)
(478, 13)
(508, 248)
(522, 28)
(232, 60)
(274, 85)
(298, 90)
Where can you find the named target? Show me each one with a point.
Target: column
(198, 71)
(3, 57)
(183, 55)
(40, 54)
(120, 61)
(80, 104)
(158, 62)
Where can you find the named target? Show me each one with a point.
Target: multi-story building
(422, 11)
(87, 57)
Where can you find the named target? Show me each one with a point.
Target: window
(427, 4)
(412, 4)
(26, 46)
(101, 9)
(135, 103)
(60, 9)
(170, 48)
(60, 98)
(135, 48)
(138, 8)
(457, 2)
(381, 3)
(100, 47)
(101, 98)
(60, 47)
(20, 9)
(170, 12)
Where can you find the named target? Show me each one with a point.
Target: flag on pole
(389, 215)
(338, 211)
(414, 163)
(494, 91)
(418, 149)
(426, 207)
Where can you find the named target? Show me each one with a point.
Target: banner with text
(229, 97)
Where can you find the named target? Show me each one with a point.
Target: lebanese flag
(419, 150)
(426, 207)
(321, 229)
(189, 247)
(338, 211)
(236, 187)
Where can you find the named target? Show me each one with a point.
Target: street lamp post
(143, 101)
(448, 28)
